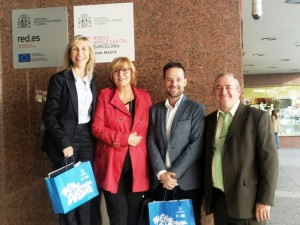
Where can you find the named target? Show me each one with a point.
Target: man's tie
(218, 153)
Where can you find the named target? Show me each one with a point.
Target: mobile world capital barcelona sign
(109, 27)
(40, 37)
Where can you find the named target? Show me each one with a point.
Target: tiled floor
(287, 196)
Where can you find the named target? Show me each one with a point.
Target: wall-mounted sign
(40, 37)
(110, 28)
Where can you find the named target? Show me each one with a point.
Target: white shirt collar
(168, 105)
(87, 78)
(232, 111)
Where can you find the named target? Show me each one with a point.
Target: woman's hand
(68, 152)
(134, 139)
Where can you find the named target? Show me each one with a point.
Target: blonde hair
(118, 64)
(67, 64)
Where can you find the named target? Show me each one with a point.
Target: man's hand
(262, 212)
(168, 179)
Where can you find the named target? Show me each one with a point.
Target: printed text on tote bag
(76, 191)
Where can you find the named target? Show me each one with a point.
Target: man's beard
(173, 95)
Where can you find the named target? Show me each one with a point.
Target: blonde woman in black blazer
(68, 114)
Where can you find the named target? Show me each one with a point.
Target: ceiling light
(285, 60)
(273, 67)
(292, 1)
(269, 38)
(258, 54)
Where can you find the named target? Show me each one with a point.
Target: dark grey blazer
(60, 114)
(185, 143)
(250, 161)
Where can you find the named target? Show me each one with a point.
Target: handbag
(174, 212)
(144, 212)
(71, 186)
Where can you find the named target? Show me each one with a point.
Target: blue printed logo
(24, 58)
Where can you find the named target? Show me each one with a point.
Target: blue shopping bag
(174, 212)
(71, 188)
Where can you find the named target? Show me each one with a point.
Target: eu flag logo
(24, 58)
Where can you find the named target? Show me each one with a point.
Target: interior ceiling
(271, 44)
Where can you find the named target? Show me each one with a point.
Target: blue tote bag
(174, 212)
(71, 188)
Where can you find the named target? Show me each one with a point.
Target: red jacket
(112, 126)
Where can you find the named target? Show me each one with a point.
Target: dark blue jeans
(277, 140)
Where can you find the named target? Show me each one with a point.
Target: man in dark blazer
(249, 159)
(175, 142)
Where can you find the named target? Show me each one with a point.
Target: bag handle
(68, 160)
(166, 194)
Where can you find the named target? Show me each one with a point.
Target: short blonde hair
(118, 64)
(67, 64)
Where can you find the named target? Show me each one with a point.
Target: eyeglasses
(124, 71)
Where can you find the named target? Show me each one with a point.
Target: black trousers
(83, 146)
(220, 212)
(123, 207)
(161, 194)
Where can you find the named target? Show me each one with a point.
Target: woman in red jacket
(120, 126)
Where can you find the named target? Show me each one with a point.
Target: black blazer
(60, 113)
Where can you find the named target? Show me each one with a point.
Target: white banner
(110, 28)
(40, 37)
